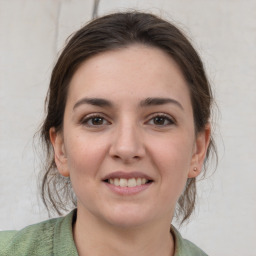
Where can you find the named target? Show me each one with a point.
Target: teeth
(116, 182)
(123, 183)
(133, 182)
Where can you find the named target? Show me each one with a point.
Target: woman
(127, 132)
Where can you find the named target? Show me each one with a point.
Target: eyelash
(166, 117)
(85, 121)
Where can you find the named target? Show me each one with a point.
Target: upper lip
(126, 175)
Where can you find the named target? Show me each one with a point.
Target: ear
(201, 145)
(59, 151)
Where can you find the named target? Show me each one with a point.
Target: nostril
(126, 158)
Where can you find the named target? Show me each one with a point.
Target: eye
(161, 120)
(94, 120)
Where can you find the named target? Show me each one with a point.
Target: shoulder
(6, 237)
(193, 249)
(185, 247)
(34, 238)
(38, 239)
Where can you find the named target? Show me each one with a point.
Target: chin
(127, 223)
(129, 218)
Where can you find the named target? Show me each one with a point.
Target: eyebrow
(93, 101)
(159, 101)
(144, 103)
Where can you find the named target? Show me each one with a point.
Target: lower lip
(128, 190)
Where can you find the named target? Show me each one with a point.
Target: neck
(94, 236)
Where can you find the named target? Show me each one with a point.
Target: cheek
(84, 155)
(172, 157)
(173, 151)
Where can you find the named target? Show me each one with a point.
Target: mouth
(131, 182)
(128, 181)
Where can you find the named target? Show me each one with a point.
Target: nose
(127, 143)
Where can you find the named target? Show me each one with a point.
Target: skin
(156, 140)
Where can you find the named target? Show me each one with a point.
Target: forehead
(135, 71)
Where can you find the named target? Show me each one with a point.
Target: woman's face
(128, 141)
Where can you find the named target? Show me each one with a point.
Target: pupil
(97, 120)
(159, 120)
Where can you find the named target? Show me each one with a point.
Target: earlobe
(201, 146)
(59, 151)
(194, 172)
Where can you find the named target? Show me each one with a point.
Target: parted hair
(115, 31)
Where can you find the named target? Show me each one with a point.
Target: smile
(127, 183)
(132, 182)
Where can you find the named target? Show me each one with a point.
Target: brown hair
(112, 32)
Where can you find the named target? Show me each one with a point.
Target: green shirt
(54, 237)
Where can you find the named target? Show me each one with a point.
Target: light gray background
(32, 32)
